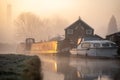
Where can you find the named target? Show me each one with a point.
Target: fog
(58, 14)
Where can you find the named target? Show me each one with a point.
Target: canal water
(78, 68)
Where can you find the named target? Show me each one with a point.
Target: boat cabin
(100, 48)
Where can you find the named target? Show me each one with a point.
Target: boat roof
(98, 41)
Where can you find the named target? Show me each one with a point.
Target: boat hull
(107, 52)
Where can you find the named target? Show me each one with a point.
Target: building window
(69, 31)
(88, 31)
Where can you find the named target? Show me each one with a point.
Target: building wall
(72, 35)
(115, 38)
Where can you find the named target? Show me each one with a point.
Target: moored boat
(97, 48)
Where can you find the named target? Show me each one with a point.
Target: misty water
(79, 68)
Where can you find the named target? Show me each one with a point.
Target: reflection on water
(69, 68)
(94, 69)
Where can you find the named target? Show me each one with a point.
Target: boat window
(96, 45)
(105, 44)
(113, 45)
(85, 45)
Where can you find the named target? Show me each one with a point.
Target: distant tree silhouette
(28, 25)
(112, 26)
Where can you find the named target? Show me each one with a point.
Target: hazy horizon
(95, 13)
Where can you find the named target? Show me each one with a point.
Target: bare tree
(28, 25)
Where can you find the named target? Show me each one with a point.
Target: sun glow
(46, 5)
(54, 4)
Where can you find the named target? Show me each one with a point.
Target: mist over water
(45, 19)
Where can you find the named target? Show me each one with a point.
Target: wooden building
(76, 31)
(115, 37)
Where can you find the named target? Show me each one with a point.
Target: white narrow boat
(99, 48)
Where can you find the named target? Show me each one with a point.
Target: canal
(79, 68)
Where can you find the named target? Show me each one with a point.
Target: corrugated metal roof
(92, 37)
(117, 33)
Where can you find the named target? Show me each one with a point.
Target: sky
(96, 13)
